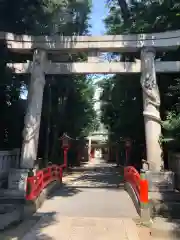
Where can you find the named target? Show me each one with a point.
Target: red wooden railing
(37, 183)
(139, 184)
(132, 176)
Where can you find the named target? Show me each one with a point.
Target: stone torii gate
(43, 46)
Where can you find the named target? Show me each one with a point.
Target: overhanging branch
(124, 9)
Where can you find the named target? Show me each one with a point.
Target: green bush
(171, 127)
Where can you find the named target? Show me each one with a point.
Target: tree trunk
(124, 9)
(60, 113)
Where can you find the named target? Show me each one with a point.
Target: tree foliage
(67, 103)
(122, 110)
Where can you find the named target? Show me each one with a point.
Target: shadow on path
(18, 231)
(99, 177)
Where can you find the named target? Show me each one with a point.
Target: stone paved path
(78, 228)
(91, 206)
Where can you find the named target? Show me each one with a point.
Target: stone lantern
(65, 146)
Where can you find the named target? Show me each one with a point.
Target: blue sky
(99, 12)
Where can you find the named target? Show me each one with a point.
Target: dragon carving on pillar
(148, 79)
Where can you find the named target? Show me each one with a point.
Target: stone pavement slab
(68, 228)
(91, 203)
(145, 233)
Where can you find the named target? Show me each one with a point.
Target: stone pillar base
(160, 181)
(17, 181)
(145, 215)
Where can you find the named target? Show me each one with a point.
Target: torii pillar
(32, 123)
(159, 180)
(33, 114)
(151, 103)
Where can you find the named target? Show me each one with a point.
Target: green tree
(122, 96)
(67, 104)
(16, 17)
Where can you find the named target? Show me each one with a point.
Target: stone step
(165, 204)
(11, 201)
(10, 214)
(10, 194)
(165, 229)
(165, 196)
(166, 209)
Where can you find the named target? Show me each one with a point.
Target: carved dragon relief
(148, 78)
(31, 128)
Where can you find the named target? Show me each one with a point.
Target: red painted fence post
(144, 191)
(30, 188)
(60, 173)
(50, 172)
(144, 198)
(65, 157)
